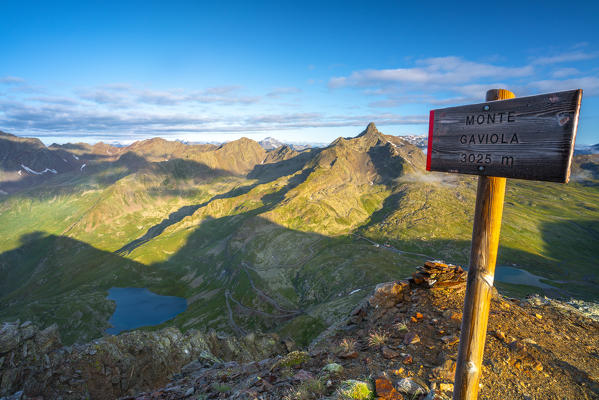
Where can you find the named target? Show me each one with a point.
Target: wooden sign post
(527, 138)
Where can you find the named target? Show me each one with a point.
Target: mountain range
(280, 240)
(593, 149)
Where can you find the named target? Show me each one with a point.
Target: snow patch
(83, 166)
(3, 192)
(354, 291)
(75, 157)
(26, 168)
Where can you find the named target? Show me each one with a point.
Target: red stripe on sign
(429, 150)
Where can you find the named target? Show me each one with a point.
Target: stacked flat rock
(436, 273)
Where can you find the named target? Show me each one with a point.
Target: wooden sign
(525, 138)
(506, 137)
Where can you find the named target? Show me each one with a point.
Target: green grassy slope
(282, 245)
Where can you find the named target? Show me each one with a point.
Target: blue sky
(306, 71)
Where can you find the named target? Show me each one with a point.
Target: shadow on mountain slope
(565, 238)
(387, 167)
(157, 229)
(65, 261)
(164, 175)
(273, 171)
(267, 174)
(27, 162)
(59, 279)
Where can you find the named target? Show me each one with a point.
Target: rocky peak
(284, 149)
(370, 137)
(370, 130)
(241, 143)
(270, 143)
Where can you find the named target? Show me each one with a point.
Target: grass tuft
(348, 345)
(310, 389)
(377, 338)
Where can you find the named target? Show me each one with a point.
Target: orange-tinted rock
(437, 273)
(456, 316)
(450, 340)
(538, 366)
(386, 391)
(388, 294)
(445, 371)
(389, 353)
(499, 335)
(348, 354)
(418, 279)
(411, 338)
(446, 387)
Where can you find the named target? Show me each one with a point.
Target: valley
(279, 240)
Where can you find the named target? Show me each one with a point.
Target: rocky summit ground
(402, 344)
(35, 365)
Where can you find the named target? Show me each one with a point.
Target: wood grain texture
(524, 138)
(481, 272)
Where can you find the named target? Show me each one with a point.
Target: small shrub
(310, 389)
(377, 338)
(293, 359)
(356, 390)
(348, 345)
(401, 326)
(333, 368)
(221, 387)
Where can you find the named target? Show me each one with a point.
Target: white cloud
(477, 91)
(223, 99)
(117, 86)
(278, 92)
(16, 84)
(12, 80)
(565, 57)
(125, 95)
(54, 100)
(51, 117)
(455, 80)
(590, 85)
(564, 72)
(221, 90)
(101, 96)
(162, 98)
(438, 71)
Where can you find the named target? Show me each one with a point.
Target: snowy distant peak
(420, 141)
(270, 143)
(593, 149)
